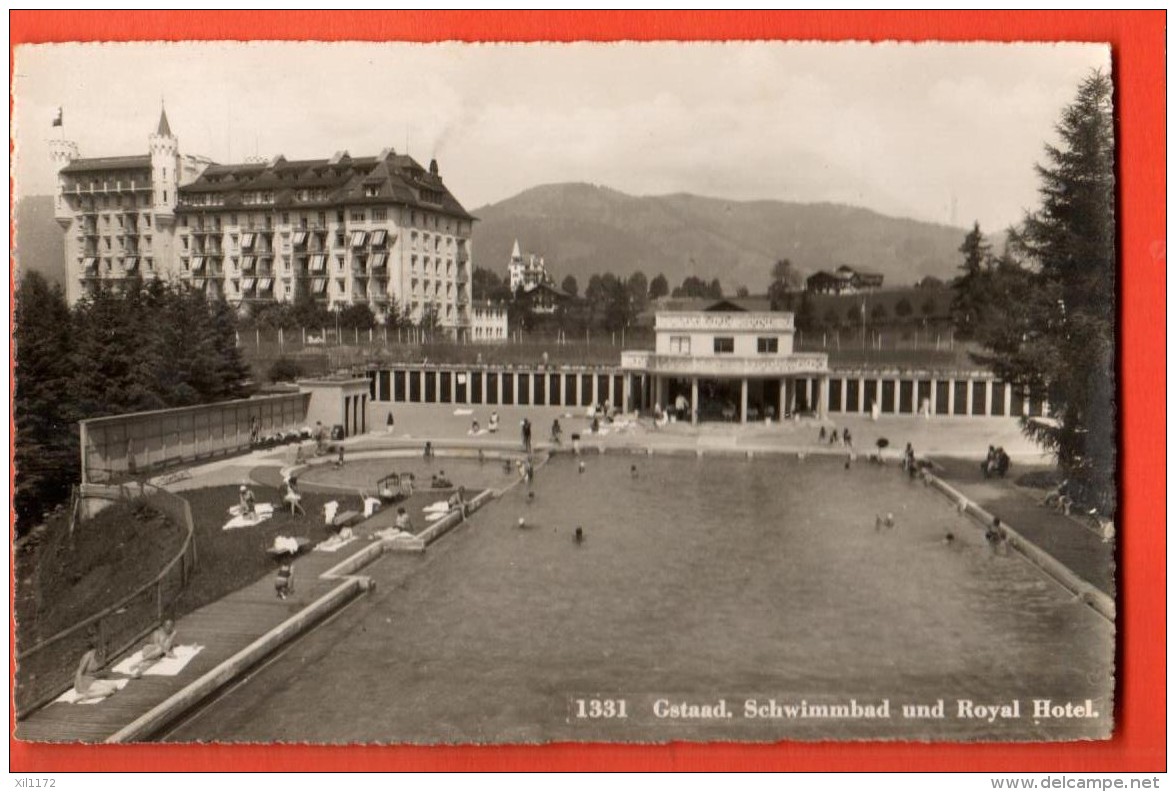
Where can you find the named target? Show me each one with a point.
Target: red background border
(1138, 42)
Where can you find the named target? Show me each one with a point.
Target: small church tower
(165, 165)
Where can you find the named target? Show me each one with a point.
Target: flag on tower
(57, 121)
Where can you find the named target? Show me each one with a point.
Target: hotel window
(769, 345)
(340, 239)
(372, 191)
(379, 214)
(285, 218)
(358, 217)
(724, 345)
(679, 345)
(339, 216)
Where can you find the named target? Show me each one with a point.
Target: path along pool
(699, 580)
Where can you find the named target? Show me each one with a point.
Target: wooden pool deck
(223, 628)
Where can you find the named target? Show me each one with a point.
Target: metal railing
(45, 670)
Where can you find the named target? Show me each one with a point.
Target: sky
(946, 133)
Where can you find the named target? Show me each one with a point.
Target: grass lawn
(229, 560)
(63, 579)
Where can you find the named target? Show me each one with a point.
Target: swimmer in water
(581, 467)
(633, 471)
(579, 535)
(948, 538)
(522, 523)
(530, 497)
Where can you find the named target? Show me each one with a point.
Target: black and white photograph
(515, 394)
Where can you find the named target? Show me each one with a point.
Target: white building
(726, 363)
(488, 322)
(526, 272)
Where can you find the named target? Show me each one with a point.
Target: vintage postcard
(632, 392)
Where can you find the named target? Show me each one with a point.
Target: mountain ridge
(584, 229)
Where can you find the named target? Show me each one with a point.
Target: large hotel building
(379, 230)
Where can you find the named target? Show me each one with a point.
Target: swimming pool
(699, 580)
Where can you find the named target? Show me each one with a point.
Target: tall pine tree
(1057, 336)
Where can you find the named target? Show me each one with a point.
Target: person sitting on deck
(86, 682)
(821, 435)
(632, 471)
(493, 426)
(995, 534)
(556, 433)
(339, 460)
(248, 502)
(428, 449)
(458, 501)
(988, 466)
(284, 581)
(440, 481)
(403, 521)
(1002, 462)
(595, 425)
(158, 646)
(475, 427)
(846, 440)
(833, 437)
(1059, 499)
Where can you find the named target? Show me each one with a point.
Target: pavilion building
(724, 362)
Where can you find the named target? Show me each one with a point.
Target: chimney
(433, 169)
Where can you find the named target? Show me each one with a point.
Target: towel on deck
(334, 543)
(463, 412)
(71, 696)
(263, 512)
(164, 666)
(370, 506)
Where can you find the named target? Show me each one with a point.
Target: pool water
(698, 580)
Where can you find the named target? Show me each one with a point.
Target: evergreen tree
(903, 308)
(46, 448)
(570, 286)
(970, 297)
(1056, 334)
(658, 287)
(638, 288)
(785, 281)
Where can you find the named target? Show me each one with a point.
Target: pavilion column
(824, 396)
(878, 394)
(863, 400)
(693, 400)
(453, 387)
(1007, 395)
(783, 398)
(534, 375)
(951, 397)
(743, 400)
(595, 389)
(968, 398)
(933, 404)
(501, 376)
(627, 393)
(988, 394)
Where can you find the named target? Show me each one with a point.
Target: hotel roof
(108, 164)
(388, 178)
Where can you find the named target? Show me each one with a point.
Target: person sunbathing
(440, 482)
(158, 646)
(86, 682)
